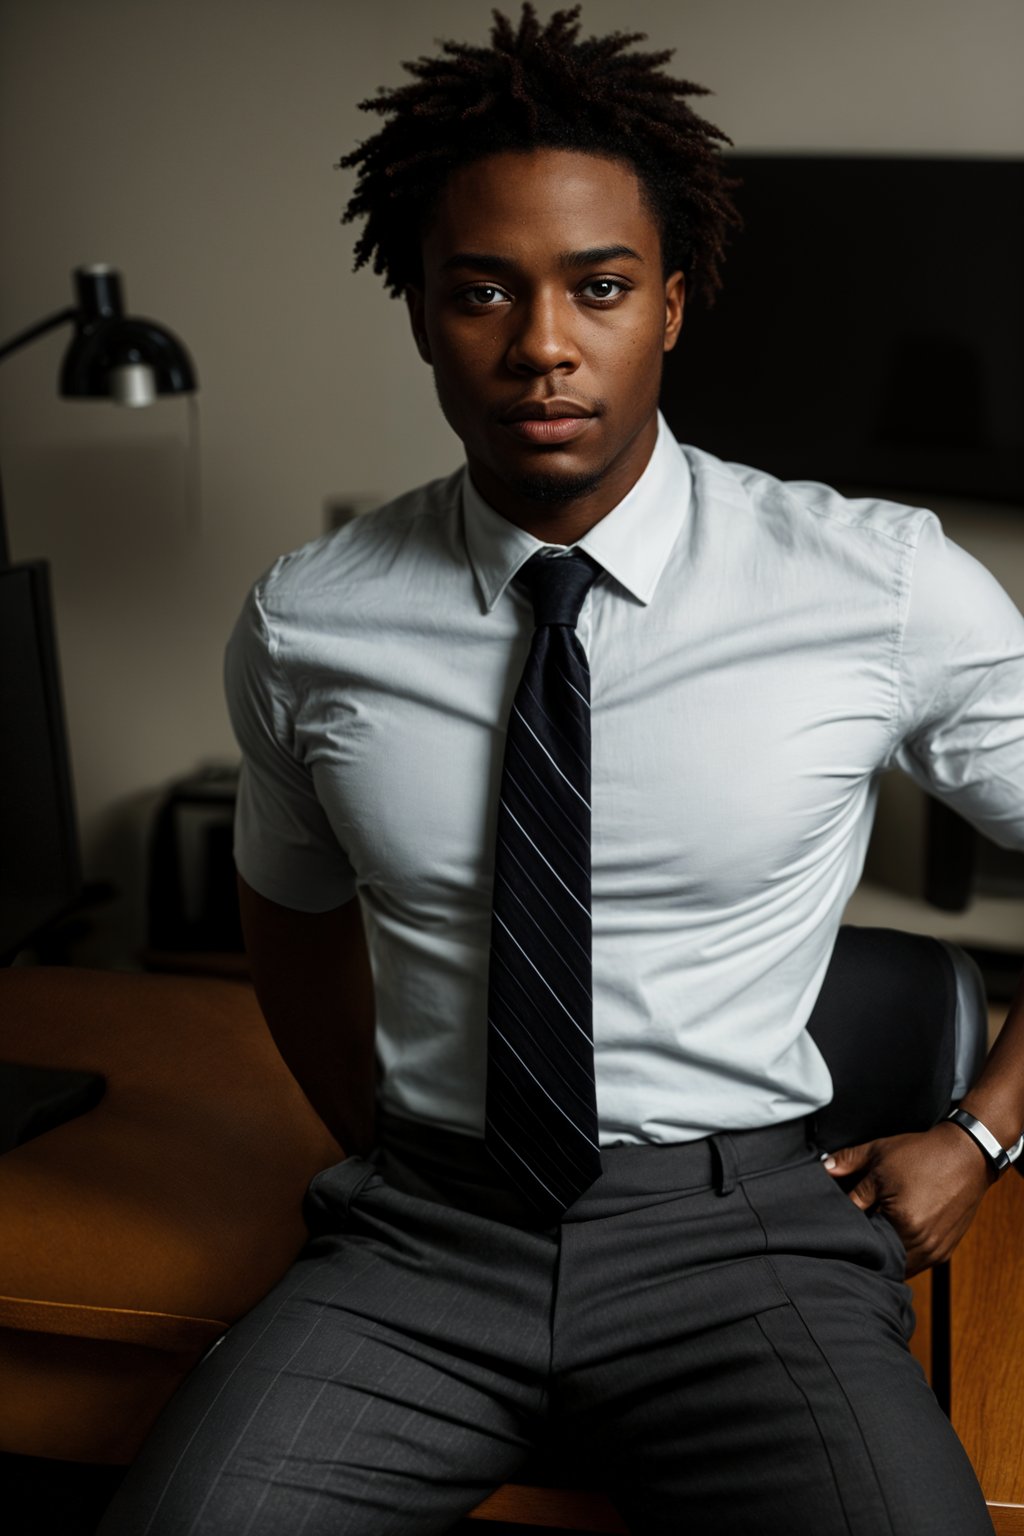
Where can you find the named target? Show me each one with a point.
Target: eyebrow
(594, 255)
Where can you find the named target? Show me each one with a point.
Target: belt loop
(724, 1162)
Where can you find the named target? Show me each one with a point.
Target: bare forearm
(312, 976)
(997, 1098)
(335, 1071)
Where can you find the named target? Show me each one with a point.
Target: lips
(548, 421)
(556, 409)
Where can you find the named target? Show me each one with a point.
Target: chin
(549, 489)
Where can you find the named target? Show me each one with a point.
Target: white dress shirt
(759, 652)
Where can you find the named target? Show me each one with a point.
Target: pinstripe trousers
(714, 1333)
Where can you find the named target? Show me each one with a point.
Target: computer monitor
(40, 866)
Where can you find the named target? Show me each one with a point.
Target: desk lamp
(111, 355)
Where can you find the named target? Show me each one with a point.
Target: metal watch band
(999, 1157)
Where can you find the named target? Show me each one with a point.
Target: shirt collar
(631, 542)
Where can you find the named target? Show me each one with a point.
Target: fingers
(848, 1159)
(865, 1194)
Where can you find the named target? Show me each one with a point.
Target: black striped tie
(541, 1108)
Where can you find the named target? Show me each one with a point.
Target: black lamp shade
(106, 341)
(97, 349)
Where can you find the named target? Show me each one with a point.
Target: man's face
(546, 315)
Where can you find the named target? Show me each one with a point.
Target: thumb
(847, 1160)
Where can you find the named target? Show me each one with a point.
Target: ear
(675, 303)
(414, 301)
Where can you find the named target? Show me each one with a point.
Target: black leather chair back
(902, 1023)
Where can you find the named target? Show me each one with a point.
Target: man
(580, 1199)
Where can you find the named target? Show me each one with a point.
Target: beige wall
(192, 144)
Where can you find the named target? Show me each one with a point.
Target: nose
(544, 339)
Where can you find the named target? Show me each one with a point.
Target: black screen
(870, 331)
(39, 861)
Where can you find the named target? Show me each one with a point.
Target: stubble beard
(549, 490)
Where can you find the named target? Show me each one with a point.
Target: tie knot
(557, 585)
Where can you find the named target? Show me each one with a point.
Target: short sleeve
(285, 847)
(961, 726)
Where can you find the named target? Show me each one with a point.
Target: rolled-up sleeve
(285, 847)
(960, 731)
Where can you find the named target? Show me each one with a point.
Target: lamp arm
(62, 317)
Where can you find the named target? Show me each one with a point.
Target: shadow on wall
(104, 508)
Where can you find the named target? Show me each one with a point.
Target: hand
(928, 1184)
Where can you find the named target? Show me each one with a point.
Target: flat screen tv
(870, 331)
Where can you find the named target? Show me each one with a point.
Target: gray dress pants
(714, 1333)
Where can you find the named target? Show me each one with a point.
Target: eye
(483, 296)
(603, 289)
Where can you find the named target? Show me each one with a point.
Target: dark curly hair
(538, 87)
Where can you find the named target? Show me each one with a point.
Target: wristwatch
(999, 1158)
